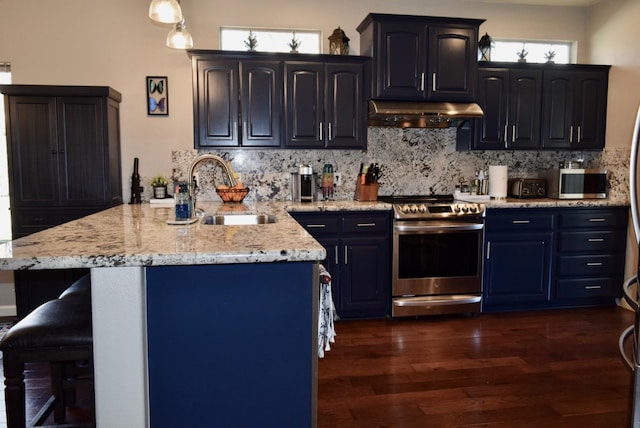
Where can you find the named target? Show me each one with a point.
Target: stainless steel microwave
(577, 183)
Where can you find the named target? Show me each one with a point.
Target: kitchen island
(194, 325)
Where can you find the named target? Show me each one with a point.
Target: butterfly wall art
(157, 96)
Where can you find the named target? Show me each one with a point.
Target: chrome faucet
(201, 159)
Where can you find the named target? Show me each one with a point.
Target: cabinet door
(523, 127)
(261, 100)
(516, 272)
(400, 71)
(33, 148)
(558, 109)
(590, 109)
(344, 106)
(304, 104)
(82, 152)
(452, 66)
(493, 97)
(364, 277)
(216, 122)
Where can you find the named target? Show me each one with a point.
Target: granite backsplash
(412, 161)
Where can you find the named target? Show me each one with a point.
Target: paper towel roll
(498, 181)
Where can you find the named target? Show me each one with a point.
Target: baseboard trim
(8, 311)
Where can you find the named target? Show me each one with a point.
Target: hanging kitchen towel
(326, 314)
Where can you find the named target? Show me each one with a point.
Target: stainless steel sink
(238, 219)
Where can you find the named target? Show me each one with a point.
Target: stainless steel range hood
(415, 114)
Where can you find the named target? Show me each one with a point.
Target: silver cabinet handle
(579, 133)
(329, 136)
(595, 240)
(336, 256)
(365, 224)
(513, 134)
(596, 220)
(317, 226)
(521, 221)
(506, 134)
(594, 263)
(345, 256)
(488, 250)
(320, 129)
(421, 82)
(571, 134)
(593, 287)
(433, 82)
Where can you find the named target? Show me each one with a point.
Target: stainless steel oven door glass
(437, 263)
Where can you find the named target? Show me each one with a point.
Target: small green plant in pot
(159, 184)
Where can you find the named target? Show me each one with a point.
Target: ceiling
(575, 3)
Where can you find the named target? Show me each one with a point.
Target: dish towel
(326, 314)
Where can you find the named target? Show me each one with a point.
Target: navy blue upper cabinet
(261, 99)
(575, 108)
(421, 57)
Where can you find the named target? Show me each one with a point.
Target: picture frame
(157, 96)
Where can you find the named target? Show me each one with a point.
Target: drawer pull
(317, 226)
(596, 220)
(521, 222)
(595, 240)
(366, 224)
(593, 287)
(594, 264)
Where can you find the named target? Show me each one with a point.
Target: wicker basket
(232, 195)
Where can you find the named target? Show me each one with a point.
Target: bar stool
(58, 332)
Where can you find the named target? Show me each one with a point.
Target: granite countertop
(138, 235)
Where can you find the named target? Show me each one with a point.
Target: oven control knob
(423, 208)
(414, 208)
(405, 208)
(457, 209)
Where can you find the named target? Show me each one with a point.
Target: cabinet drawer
(520, 220)
(592, 218)
(591, 241)
(587, 287)
(317, 224)
(25, 222)
(366, 224)
(591, 265)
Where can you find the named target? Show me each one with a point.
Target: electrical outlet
(337, 179)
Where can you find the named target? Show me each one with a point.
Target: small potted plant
(159, 184)
(522, 55)
(252, 42)
(549, 56)
(294, 44)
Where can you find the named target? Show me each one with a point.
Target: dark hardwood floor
(556, 369)
(530, 369)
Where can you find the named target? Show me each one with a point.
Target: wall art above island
(157, 95)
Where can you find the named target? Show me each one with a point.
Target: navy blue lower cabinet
(232, 345)
(358, 245)
(518, 259)
(516, 271)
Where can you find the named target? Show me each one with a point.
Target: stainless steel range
(437, 255)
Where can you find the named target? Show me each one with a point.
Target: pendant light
(179, 37)
(165, 11)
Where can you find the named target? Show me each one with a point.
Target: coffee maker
(304, 184)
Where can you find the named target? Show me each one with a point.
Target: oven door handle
(436, 300)
(436, 226)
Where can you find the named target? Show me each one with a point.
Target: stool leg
(57, 389)
(14, 390)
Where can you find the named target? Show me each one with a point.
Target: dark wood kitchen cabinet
(590, 255)
(239, 102)
(538, 107)
(358, 259)
(420, 57)
(541, 258)
(64, 163)
(257, 99)
(511, 101)
(324, 105)
(518, 248)
(575, 108)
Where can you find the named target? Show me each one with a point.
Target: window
(5, 217)
(508, 50)
(270, 40)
